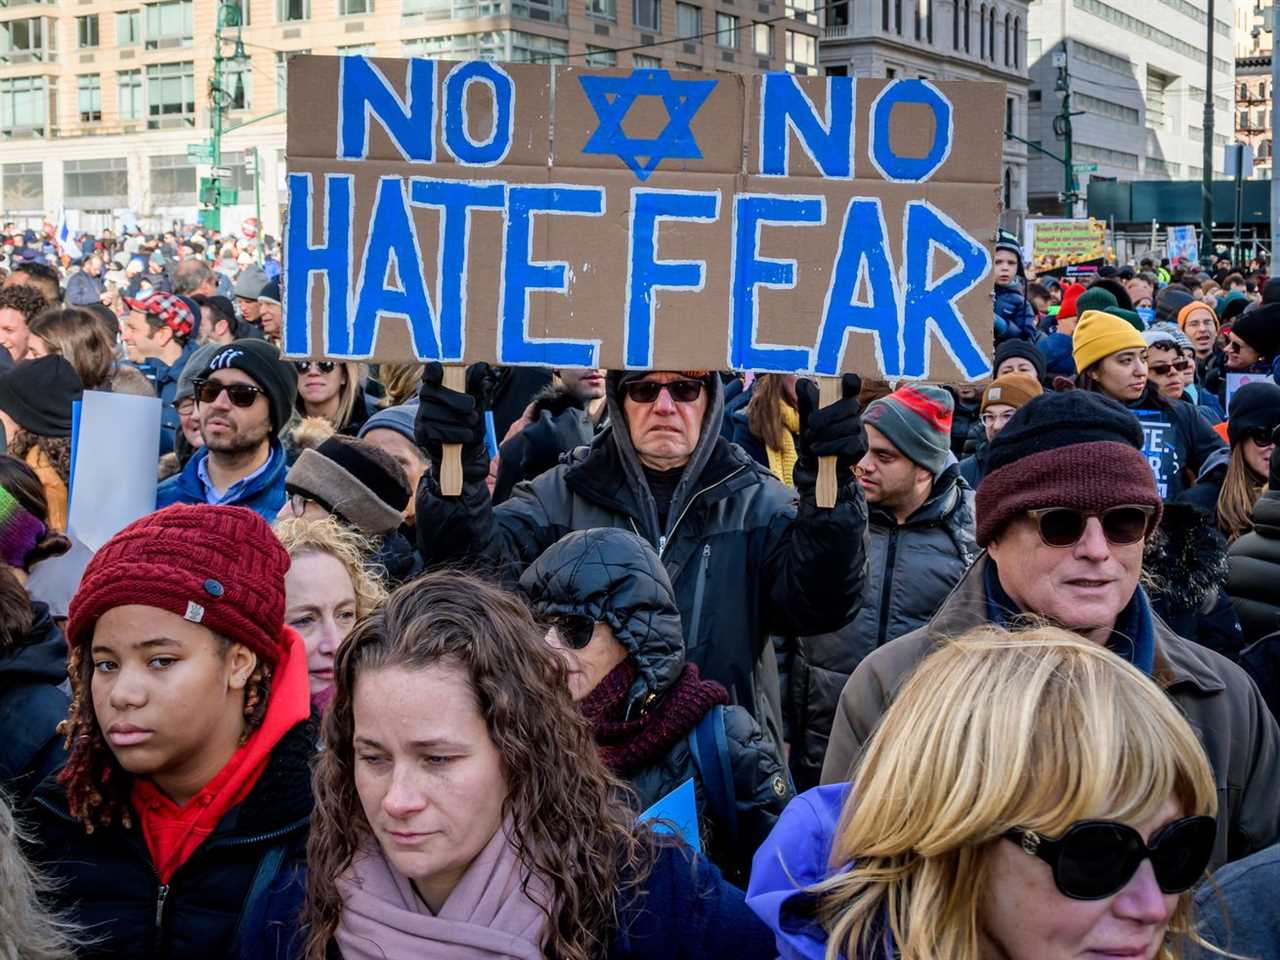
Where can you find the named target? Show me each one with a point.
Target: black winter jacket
(911, 568)
(237, 898)
(747, 555)
(1253, 580)
(559, 426)
(32, 705)
(1177, 440)
(614, 577)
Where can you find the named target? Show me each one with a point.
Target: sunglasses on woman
(1097, 858)
(1162, 369)
(1063, 527)
(646, 391)
(324, 366)
(240, 394)
(574, 630)
(1261, 436)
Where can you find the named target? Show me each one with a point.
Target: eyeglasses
(995, 419)
(1096, 858)
(324, 366)
(1063, 527)
(646, 391)
(240, 394)
(1162, 369)
(1261, 436)
(298, 504)
(574, 629)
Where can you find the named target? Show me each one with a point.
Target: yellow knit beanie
(1099, 335)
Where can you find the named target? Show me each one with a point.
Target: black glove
(831, 431)
(447, 416)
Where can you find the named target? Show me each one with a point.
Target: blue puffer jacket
(1058, 360)
(1014, 318)
(164, 378)
(264, 496)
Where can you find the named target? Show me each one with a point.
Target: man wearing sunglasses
(242, 399)
(1064, 513)
(747, 556)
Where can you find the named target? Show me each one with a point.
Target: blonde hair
(353, 379)
(1037, 729)
(28, 931)
(302, 535)
(1241, 489)
(401, 382)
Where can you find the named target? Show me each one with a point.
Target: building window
(128, 28)
(173, 181)
(23, 187)
(968, 21)
(693, 67)
(991, 35)
(801, 9)
(982, 30)
(762, 39)
(897, 17)
(87, 31)
(1017, 43)
(535, 48)
(129, 94)
(1008, 188)
(955, 25)
(802, 51)
(642, 62)
(282, 72)
(884, 14)
(354, 8)
(1244, 91)
(288, 11)
(1156, 102)
(237, 80)
(548, 11)
(1008, 113)
(171, 96)
(358, 50)
(98, 184)
(727, 31)
(647, 14)
(491, 45)
(1008, 22)
(89, 97)
(169, 24)
(603, 9)
(688, 20)
(1260, 119)
(24, 106)
(29, 40)
(601, 57)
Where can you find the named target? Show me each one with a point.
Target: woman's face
(37, 348)
(1189, 374)
(1240, 356)
(1164, 375)
(320, 603)
(189, 419)
(1123, 376)
(590, 664)
(1257, 456)
(430, 779)
(317, 387)
(1023, 916)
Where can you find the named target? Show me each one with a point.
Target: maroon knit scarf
(629, 746)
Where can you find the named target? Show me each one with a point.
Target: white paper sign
(1237, 380)
(115, 465)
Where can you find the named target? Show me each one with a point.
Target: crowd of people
(1013, 696)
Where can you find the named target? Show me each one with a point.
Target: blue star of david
(612, 97)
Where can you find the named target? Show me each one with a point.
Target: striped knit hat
(20, 531)
(916, 420)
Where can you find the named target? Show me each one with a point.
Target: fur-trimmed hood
(1185, 562)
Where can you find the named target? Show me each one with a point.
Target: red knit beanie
(220, 567)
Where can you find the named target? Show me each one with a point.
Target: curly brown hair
(57, 449)
(571, 823)
(97, 786)
(27, 300)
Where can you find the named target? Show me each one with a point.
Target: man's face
(1017, 365)
(249, 309)
(14, 335)
(229, 429)
(93, 266)
(1083, 587)
(269, 317)
(1202, 330)
(213, 326)
(666, 431)
(140, 342)
(1006, 266)
(583, 384)
(888, 478)
(995, 417)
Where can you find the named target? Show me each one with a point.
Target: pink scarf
(487, 915)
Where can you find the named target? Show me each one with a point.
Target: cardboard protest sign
(527, 214)
(1065, 247)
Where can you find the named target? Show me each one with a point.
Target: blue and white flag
(64, 239)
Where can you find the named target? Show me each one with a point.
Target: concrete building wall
(39, 160)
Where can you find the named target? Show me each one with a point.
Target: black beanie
(1233, 309)
(261, 361)
(1260, 329)
(1020, 348)
(38, 395)
(1253, 405)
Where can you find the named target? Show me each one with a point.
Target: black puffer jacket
(249, 875)
(747, 555)
(1253, 580)
(32, 704)
(911, 568)
(559, 425)
(614, 577)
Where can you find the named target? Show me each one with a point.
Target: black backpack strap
(709, 745)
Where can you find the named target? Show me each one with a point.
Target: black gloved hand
(832, 431)
(447, 416)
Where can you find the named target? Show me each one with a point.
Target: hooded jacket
(911, 567)
(613, 577)
(1014, 317)
(1220, 702)
(746, 555)
(1253, 578)
(264, 495)
(32, 704)
(164, 378)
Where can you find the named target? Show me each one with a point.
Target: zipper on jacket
(662, 541)
(161, 895)
(886, 586)
(704, 571)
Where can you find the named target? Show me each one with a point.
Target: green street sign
(200, 152)
(1085, 167)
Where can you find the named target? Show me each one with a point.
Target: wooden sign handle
(825, 494)
(455, 378)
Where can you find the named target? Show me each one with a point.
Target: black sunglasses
(1262, 436)
(574, 629)
(1162, 369)
(240, 394)
(646, 391)
(324, 366)
(1063, 527)
(1096, 858)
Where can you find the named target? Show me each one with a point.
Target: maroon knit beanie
(220, 567)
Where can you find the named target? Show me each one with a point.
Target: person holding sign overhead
(747, 555)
